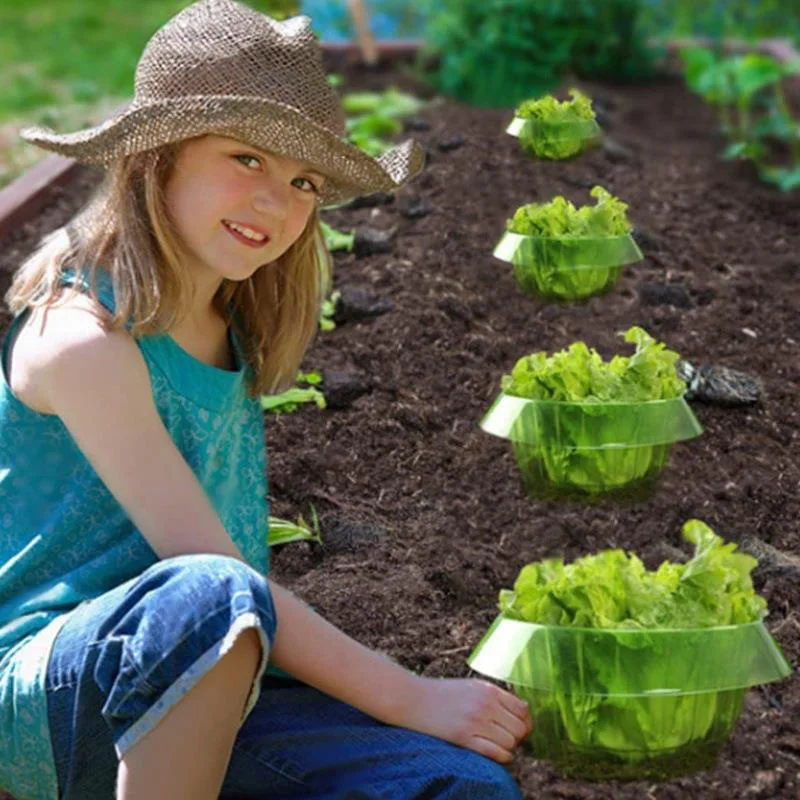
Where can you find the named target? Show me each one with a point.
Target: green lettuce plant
(328, 311)
(569, 253)
(579, 374)
(592, 430)
(557, 129)
(638, 673)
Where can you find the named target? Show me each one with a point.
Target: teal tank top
(64, 539)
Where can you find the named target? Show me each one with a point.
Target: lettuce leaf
(613, 589)
(549, 109)
(579, 374)
(560, 217)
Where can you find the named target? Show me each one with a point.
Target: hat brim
(265, 124)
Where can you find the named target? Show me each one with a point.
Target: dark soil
(422, 513)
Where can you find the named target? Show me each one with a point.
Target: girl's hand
(471, 713)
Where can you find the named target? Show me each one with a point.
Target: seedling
(337, 240)
(373, 116)
(291, 399)
(328, 311)
(282, 531)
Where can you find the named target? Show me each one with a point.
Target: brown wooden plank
(21, 199)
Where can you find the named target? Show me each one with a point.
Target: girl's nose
(272, 200)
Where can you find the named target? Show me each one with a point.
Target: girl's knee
(207, 582)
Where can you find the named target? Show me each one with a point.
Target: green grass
(68, 63)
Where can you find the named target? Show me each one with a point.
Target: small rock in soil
(340, 535)
(416, 124)
(371, 200)
(665, 294)
(371, 241)
(602, 114)
(581, 183)
(647, 240)
(616, 152)
(416, 209)
(356, 304)
(452, 142)
(767, 784)
(790, 742)
(718, 385)
(342, 388)
(771, 561)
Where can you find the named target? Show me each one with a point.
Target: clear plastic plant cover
(554, 131)
(629, 662)
(591, 425)
(568, 252)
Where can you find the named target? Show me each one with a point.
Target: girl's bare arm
(97, 383)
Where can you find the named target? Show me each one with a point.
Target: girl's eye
(312, 185)
(246, 156)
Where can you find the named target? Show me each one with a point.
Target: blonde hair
(125, 229)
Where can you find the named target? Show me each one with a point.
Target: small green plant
(328, 311)
(291, 399)
(337, 240)
(390, 103)
(282, 531)
(374, 116)
(747, 90)
(579, 374)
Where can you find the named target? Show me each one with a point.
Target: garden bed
(423, 514)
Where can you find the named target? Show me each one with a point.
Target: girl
(136, 618)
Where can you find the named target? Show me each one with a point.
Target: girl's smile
(248, 235)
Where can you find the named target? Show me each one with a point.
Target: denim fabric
(123, 659)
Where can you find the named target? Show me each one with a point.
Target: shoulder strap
(103, 288)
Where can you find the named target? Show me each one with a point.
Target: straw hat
(220, 67)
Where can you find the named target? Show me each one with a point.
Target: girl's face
(219, 185)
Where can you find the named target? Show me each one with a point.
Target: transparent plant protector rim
(564, 659)
(591, 426)
(555, 131)
(569, 252)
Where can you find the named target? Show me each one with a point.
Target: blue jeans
(123, 659)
